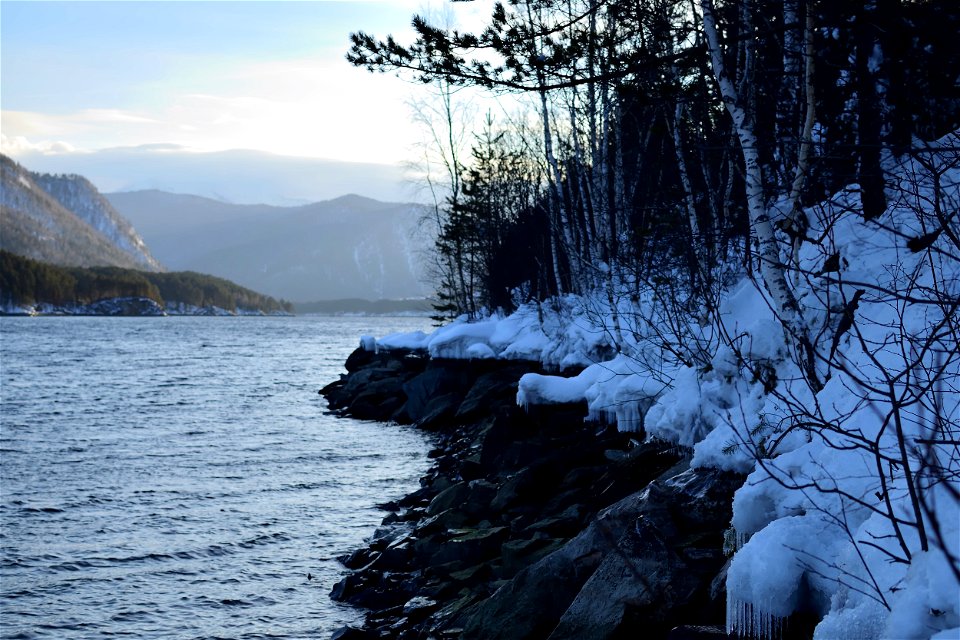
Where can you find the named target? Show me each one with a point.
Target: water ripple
(179, 477)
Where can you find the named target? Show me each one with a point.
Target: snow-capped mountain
(349, 247)
(64, 220)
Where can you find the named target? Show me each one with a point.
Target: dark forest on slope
(26, 281)
(670, 134)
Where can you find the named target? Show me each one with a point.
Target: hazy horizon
(237, 176)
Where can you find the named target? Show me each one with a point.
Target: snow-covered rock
(828, 522)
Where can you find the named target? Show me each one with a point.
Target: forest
(666, 138)
(26, 281)
(663, 154)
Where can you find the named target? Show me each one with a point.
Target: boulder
(448, 498)
(438, 413)
(637, 585)
(435, 380)
(531, 604)
(490, 389)
(353, 633)
(470, 546)
(661, 572)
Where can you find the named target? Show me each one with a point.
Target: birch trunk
(786, 116)
(772, 270)
(806, 143)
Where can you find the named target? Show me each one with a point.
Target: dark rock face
(529, 525)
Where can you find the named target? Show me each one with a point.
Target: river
(179, 477)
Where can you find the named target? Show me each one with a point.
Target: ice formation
(826, 523)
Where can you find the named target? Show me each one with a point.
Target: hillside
(64, 220)
(349, 247)
(25, 283)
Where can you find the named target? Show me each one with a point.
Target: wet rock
(491, 389)
(433, 382)
(419, 607)
(641, 582)
(527, 520)
(450, 497)
(470, 546)
(353, 633)
(695, 632)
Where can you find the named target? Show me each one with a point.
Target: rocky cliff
(64, 220)
(530, 524)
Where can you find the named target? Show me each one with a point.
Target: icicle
(628, 417)
(733, 540)
(522, 400)
(746, 620)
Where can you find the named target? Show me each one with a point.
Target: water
(178, 478)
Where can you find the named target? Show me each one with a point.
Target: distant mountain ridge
(64, 220)
(348, 247)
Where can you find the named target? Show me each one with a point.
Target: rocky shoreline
(530, 523)
(128, 306)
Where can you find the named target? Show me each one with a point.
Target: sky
(108, 87)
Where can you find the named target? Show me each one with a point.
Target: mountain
(238, 175)
(64, 220)
(349, 247)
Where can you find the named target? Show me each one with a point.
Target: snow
(819, 529)
(368, 343)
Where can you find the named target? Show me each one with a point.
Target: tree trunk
(772, 270)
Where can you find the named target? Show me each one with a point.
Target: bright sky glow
(206, 76)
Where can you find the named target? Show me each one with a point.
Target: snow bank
(825, 523)
(559, 334)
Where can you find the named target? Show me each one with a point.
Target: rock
(661, 572)
(436, 380)
(359, 558)
(470, 468)
(519, 554)
(490, 389)
(531, 604)
(529, 523)
(359, 359)
(379, 400)
(450, 497)
(473, 574)
(352, 633)
(481, 494)
(350, 584)
(638, 584)
(438, 413)
(470, 546)
(394, 558)
(419, 607)
(443, 521)
(693, 632)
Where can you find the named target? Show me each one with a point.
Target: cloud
(112, 116)
(308, 106)
(19, 145)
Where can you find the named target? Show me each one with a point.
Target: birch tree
(773, 270)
